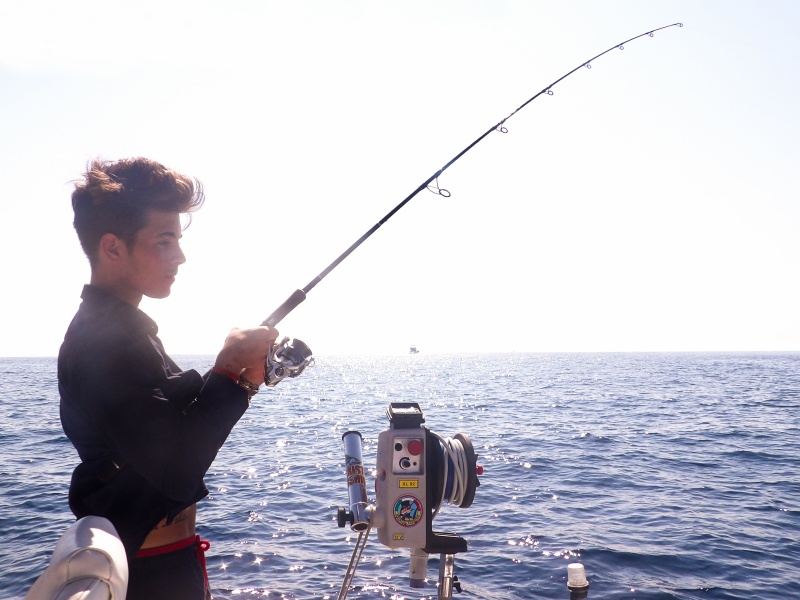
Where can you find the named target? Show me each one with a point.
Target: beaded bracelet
(252, 388)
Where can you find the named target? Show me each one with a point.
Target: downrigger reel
(416, 471)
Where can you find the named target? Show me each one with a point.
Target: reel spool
(287, 359)
(454, 470)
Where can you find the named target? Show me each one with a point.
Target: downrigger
(416, 472)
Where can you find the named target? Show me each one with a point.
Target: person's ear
(112, 248)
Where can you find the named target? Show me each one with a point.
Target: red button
(415, 447)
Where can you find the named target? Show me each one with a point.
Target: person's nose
(180, 257)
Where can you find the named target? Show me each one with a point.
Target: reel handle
(284, 309)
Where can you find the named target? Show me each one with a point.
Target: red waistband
(173, 547)
(201, 547)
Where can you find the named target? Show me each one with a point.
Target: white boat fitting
(88, 563)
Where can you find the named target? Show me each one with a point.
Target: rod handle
(284, 309)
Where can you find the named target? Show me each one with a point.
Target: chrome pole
(446, 564)
(356, 481)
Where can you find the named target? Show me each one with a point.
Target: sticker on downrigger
(356, 476)
(408, 511)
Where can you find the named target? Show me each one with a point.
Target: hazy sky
(651, 203)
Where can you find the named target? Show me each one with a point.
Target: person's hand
(245, 352)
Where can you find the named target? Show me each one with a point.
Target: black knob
(343, 517)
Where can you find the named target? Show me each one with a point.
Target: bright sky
(651, 203)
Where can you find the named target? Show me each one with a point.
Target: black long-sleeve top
(146, 432)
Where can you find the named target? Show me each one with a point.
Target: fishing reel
(416, 472)
(289, 358)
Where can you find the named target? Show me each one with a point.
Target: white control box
(400, 483)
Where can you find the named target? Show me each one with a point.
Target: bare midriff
(181, 528)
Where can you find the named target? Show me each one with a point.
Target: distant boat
(413, 350)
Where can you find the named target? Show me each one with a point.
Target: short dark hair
(115, 197)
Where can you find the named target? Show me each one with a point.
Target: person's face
(153, 260)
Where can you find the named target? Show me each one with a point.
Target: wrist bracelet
(252, 388)
(225, 373)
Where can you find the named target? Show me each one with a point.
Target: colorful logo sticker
(355, 471)
(407, 511)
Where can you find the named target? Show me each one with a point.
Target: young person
(146, 431)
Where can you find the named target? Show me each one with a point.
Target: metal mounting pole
(446, 564)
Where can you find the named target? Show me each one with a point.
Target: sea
(667, 476)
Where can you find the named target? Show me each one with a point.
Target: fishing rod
(432, 184)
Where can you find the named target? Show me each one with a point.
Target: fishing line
(299, 295)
